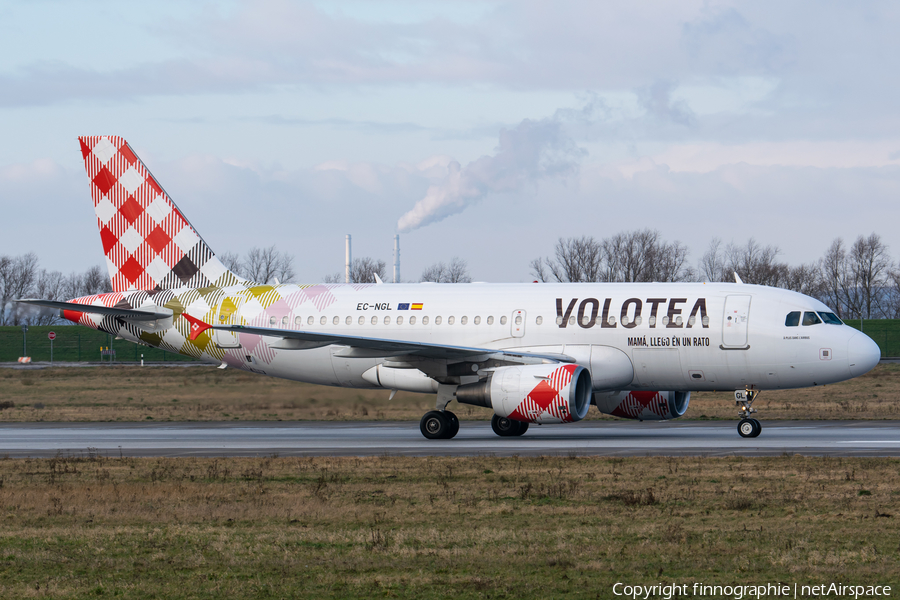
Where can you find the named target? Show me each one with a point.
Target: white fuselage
(676, 336)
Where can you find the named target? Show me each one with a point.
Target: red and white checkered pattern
(148, 243)
(637, 404)
(547, 401)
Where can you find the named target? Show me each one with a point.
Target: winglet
(197, 326)
(737, 278)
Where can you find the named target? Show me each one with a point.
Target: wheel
(758, 426)
(747, 428)
(503, 427)
(434, 425)
(453, 423)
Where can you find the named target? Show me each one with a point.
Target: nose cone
(862, 354)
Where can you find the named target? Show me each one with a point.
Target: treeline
(858, 280)
(22, 277)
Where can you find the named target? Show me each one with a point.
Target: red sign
(52, 335)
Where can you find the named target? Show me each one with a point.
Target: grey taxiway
(587, 438)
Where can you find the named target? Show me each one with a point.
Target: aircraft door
(735, 321)
(229, 314)
(517, 324)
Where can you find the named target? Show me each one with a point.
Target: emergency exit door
(735, 322)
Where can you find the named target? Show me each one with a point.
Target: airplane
(533, 353)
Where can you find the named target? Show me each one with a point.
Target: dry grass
(208, 394)
(438, 527)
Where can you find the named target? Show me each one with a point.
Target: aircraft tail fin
(148, 243)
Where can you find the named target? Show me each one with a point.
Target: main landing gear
(748, 427)
(439, 425)
(505, 427)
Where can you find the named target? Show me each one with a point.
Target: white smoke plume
(530, 152)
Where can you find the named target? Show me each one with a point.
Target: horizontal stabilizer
(131, 314)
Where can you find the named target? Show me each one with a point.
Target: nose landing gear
(748, 427)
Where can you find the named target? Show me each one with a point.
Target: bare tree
(629, 256)
(18, 275)
(836, 278)
(870, 265)
(712, 265)
(232, 262)
(264, 265)
(756, 263)
(363, 270)
(457, 271)
(806, 279)
(576, 259)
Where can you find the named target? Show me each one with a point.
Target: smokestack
(347, 262)
(397, 258)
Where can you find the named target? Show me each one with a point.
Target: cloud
(532, 151)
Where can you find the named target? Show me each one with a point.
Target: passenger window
(477, 320)
(362, 320)
(792, 319)
(450, 320)
(349, 320)
(284, 321)
(323, 320)
(463, 320)
(387, 320)
(503, 320)
(539, 320)
(811, 318)
(336, 320)
(424, 320)
(298, 321)
(271, 320)
(311, 320)
(400, 320)
(412, 320)
(490, 320)
(830, 318)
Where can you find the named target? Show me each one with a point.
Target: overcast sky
(484, 130)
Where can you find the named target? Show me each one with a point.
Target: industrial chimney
(397, 258)
(347, 262)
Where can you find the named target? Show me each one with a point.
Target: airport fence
(885, 333)
(76, 344)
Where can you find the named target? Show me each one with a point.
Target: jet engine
(551, 393)
(643, 405)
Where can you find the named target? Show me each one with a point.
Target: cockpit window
(792, 319)
(810, 318)
(830, 318)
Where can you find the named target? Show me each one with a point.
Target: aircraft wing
(368, 347)
(132, 314)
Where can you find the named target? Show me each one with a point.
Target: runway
(372, 438)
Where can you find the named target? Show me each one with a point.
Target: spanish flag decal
(416, 306)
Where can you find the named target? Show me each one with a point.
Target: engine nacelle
(533, 393)
(643, 405)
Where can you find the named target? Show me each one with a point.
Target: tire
(758, 428)
(453, 423)
(434, 425)
(504, 427)
(522, 428)
(746, 428)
